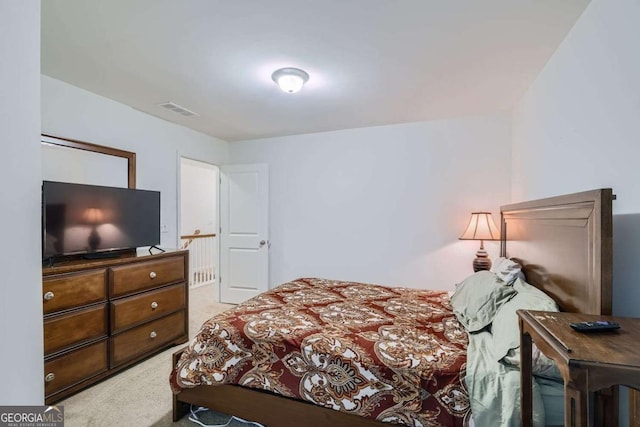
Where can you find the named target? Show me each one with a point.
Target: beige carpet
(139, 396)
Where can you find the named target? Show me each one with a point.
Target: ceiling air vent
(178, 109)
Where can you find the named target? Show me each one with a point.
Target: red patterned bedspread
(393, 354)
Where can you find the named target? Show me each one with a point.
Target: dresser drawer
(74, 328)
(144, 275)
(130, 311)
(74, 367)
(73, 290)
(146, 338)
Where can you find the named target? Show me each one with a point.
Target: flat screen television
(97, 221)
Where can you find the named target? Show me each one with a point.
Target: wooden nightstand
(588, 362)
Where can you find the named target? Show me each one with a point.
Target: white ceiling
(371, 62)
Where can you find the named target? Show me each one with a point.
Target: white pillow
(507, 270)
(477, 299)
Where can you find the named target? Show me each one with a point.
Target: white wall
(578, 128)
(383, 204)
(20, 173)
(70, 112)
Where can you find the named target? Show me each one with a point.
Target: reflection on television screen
(81, 218)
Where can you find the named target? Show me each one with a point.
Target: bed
(564, 247)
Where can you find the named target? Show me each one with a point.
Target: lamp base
(94, 239)
(482, 261)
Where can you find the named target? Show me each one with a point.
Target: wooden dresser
(102, 316)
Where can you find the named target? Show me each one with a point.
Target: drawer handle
(49, 296)
(152, 275)
(154, 305)
(153, 334)
(50, 377)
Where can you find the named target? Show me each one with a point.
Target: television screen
(79, 218)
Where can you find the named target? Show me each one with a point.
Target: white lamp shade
(94, 215)
(481, 227)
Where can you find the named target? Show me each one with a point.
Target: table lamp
(481, 227)
(95, 217)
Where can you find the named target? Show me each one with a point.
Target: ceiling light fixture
(290, 80)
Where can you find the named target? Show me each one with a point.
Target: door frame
(179, 158)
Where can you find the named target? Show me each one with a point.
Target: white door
(244, 234)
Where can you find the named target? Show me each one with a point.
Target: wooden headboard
(564, 244)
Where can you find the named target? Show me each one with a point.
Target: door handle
(263, 242)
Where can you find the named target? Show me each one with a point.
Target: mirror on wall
(69, 160)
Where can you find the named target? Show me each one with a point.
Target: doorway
(199, 221)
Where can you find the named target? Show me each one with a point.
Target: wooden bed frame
(565, 246)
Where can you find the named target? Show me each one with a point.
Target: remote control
(598, 325)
